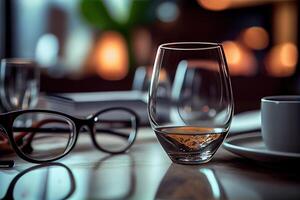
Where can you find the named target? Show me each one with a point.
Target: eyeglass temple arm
(57, 130)
(7, 163)
(36, 128)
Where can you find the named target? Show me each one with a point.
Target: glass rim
(283, 99)
(18, 61)
(198, 46)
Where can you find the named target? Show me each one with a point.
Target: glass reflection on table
(181, 182)
(113, 182)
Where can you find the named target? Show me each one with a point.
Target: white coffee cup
(280, 120)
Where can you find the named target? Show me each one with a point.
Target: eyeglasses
(40, 136)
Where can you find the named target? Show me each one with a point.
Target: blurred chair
(140, 80)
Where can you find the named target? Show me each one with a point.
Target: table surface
(146, 172)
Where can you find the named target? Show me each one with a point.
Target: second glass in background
(199, 103)
(19, 84)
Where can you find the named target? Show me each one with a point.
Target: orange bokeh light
(240, 60)
(255, 38)
(215, 5)
(111, 56)
(233, 52)
(282, 60)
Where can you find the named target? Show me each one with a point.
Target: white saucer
(250, 145)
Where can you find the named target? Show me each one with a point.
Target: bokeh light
(240, 60)
(111, 57)
(163, 75)
(47, 43)
(142, 46)
(255, 38)
(282, 60)
(215, 5)
(233, 52)
(167, 11)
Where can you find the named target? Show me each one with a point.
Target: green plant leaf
(138, 12)
(96, 14)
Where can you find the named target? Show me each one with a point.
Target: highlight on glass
(193, 117)
(42, 135)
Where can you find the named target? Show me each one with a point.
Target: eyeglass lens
(43, 136)
(115, 130)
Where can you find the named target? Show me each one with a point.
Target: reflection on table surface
(146, 173)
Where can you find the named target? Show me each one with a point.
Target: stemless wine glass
(19, 84)
(199, 107)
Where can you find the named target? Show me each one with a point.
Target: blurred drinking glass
(19, 84)
(200, 104)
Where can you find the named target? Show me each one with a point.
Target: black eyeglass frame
(7, 120)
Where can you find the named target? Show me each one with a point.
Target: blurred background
(94, 45)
